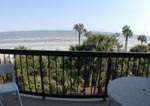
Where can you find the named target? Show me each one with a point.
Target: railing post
(78, 75)
(108, 75)
(147, 72)
(41, 73)
(16, 75)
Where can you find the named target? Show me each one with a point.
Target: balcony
(71, 74)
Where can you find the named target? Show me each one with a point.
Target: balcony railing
(72, 74)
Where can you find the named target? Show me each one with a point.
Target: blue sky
(96, 15)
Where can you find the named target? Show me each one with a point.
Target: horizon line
(59, 30)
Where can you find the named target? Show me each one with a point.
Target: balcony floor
(12, 100)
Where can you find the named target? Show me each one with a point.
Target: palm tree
(142, 38)
(127, 34)
(80, 29)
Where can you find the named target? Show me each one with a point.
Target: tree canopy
(142, 38)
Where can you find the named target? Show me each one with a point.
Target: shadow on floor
(12, 100)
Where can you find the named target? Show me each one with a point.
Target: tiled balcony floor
(12, 100)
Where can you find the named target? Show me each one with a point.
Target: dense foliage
(99, 42)
(140, 48)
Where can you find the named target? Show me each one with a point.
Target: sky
(96, 15)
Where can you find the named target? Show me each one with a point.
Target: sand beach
(40, 45)
(50, 44)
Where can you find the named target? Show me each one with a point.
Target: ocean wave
(38, 39)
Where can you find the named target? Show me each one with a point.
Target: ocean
(37, 35)
(47, 40)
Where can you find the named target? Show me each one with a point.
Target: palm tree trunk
(79, 38)
(90, 79)
(126, 44)
(97, 81)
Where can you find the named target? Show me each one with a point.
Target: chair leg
(109, 102)
(20, 101)
(1, 104)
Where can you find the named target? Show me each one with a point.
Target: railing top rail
(76, 53)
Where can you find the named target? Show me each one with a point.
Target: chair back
(7, 69)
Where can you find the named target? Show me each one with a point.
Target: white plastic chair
(10, 87)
